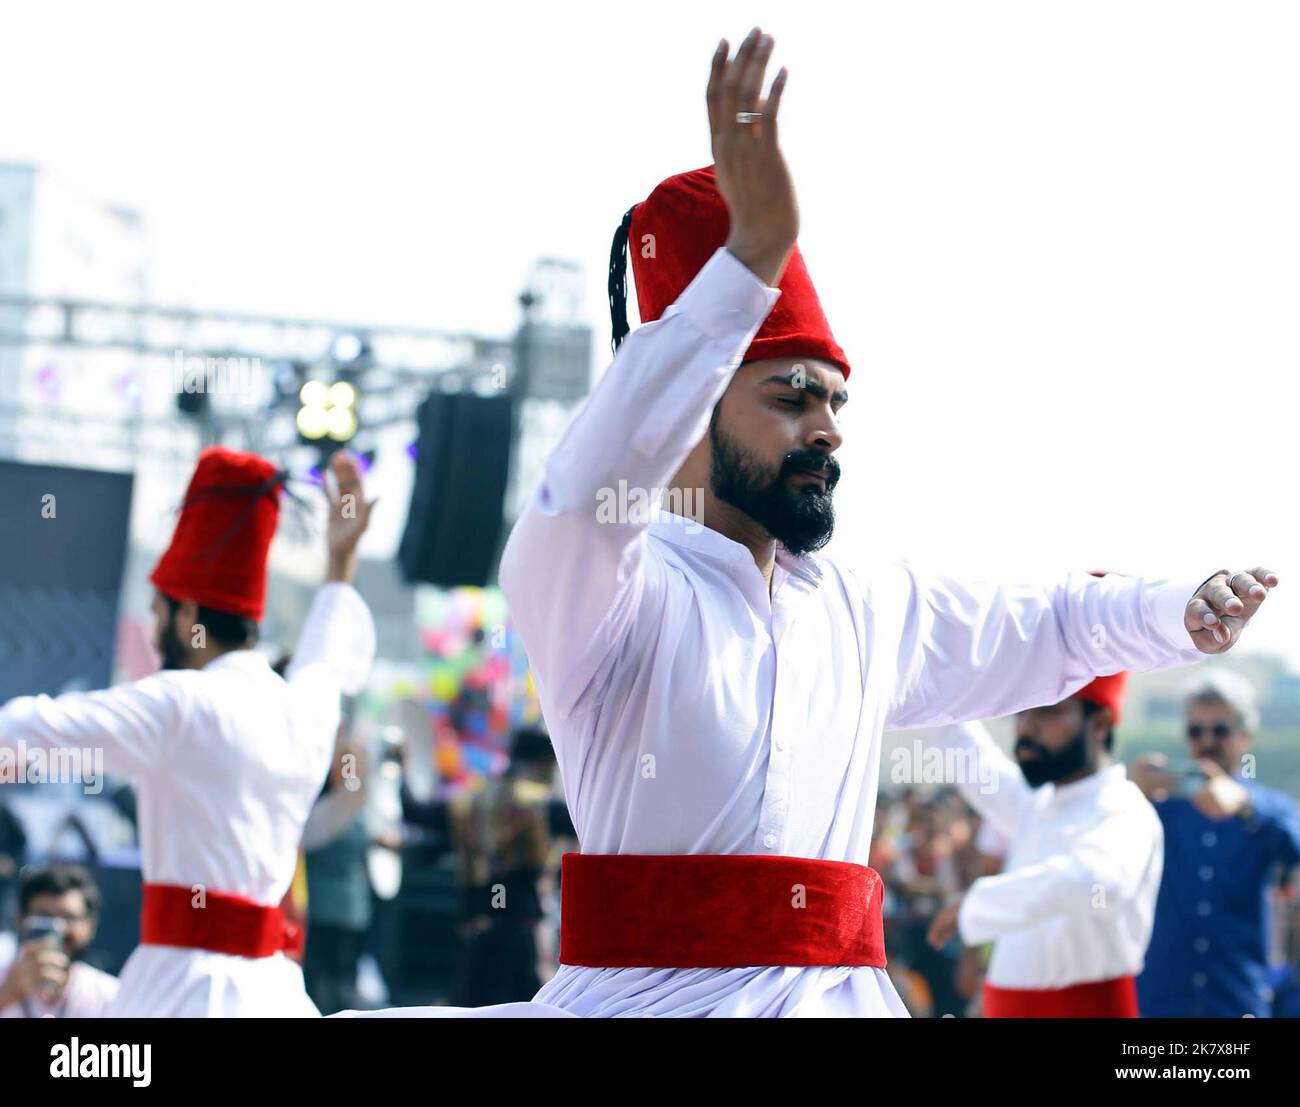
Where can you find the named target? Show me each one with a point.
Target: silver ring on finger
(748, 116)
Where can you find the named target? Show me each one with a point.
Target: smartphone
(1189, 777)
(44, 929)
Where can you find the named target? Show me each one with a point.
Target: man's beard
(1049, 767)
(802, 520)
(170, 648)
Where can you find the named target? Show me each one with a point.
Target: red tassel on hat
(687, 220)
(218, 554)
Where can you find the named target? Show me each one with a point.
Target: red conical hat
(217, 556)
(1106, 691)
(687, 220)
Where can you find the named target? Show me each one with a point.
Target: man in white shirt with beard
(227, 757)
(1071, 913)
(715, 692)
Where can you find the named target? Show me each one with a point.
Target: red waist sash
(710, 911)
(223, 924)
(1098, 999)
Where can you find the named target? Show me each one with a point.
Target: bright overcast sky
(1058, 241)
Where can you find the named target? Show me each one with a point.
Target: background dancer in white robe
(716, 693)
(226, 756)
(1071, 914)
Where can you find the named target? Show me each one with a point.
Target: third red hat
(1106, 691)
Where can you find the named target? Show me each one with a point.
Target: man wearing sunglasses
(1228, 841)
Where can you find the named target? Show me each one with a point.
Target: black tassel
(618, 280)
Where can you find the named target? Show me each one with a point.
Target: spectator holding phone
(1228, 842)
(58, 915)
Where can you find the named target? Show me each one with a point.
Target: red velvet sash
(709, 911)
(224, 924)
(1098, 999)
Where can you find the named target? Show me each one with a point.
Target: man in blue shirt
(1228, 842)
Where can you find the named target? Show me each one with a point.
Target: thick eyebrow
(815, 388)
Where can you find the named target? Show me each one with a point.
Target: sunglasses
(1219, 731)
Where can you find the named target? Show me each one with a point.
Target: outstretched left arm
(125, 730)
(981, 650)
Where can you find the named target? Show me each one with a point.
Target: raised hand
(349, 515)
(1223, 605)
(751, 171)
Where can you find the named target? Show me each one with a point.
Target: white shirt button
(1205, 872)
(1201, 945)
(770, 841)
(1209, 838)
(1203, 908)
(1199, 979)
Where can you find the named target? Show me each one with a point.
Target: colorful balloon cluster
(478, 685)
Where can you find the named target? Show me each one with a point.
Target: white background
(1060, 242)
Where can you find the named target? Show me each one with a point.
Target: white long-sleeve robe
(1076, 900)
(227, 761)
(691, 713)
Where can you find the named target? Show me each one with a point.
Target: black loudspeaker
(453, 529)
(63, 536)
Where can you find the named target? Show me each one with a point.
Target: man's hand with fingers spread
(1223, 605)
(750, 169)
(349, 515)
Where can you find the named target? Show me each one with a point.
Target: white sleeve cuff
(1167, 608)
(968, 922)
(726, 300)
(339, 631)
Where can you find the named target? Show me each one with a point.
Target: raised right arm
(575, 569)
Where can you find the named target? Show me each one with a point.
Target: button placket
(776, 792)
